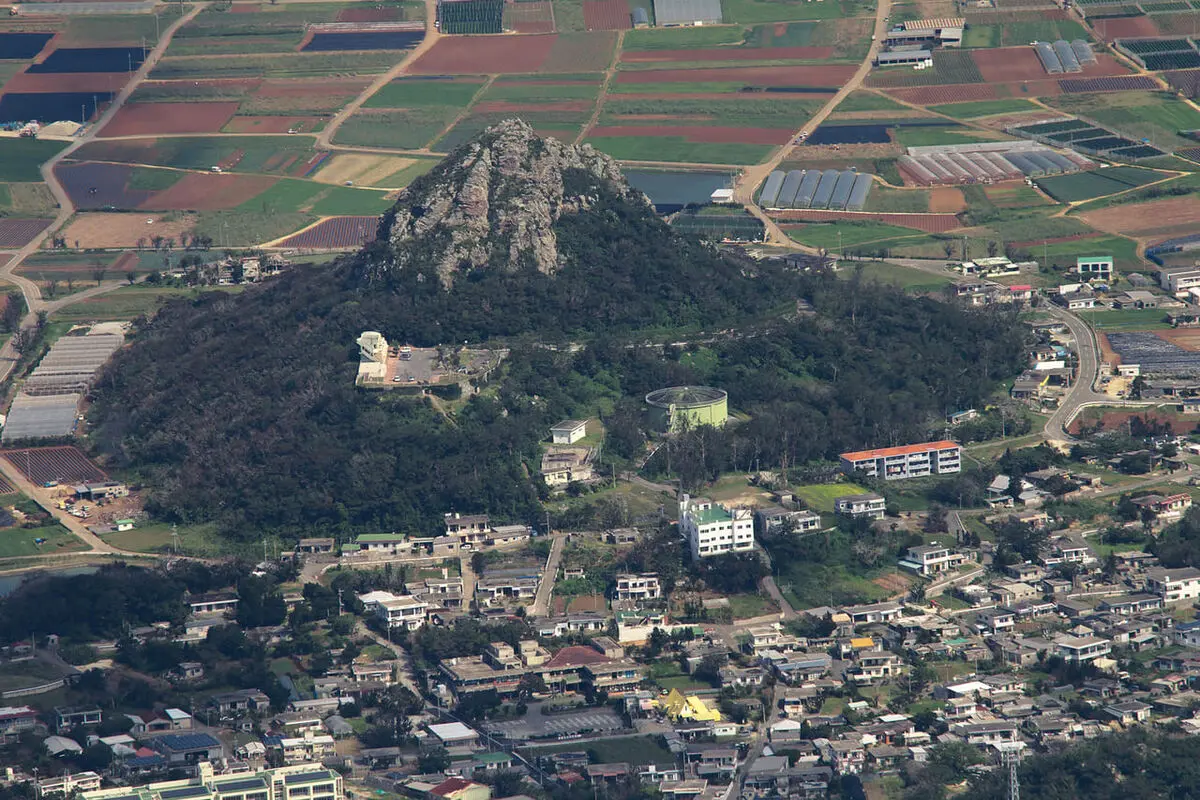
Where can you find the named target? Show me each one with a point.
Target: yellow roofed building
(677, 707)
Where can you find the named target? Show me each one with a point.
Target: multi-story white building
(869, 505)
(713, 530)
(1094, 268)
(1081, 649)
(299, 782)
(931, 559)
(398, 611)
(908, 461)
(639, 587)
(1178, 279)
(1174, 585)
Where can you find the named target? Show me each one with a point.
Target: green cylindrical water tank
(691, 406)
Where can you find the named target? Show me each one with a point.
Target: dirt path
(608, 78)
(325, 137)
(31, 291)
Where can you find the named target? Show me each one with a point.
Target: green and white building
(713, 530)
(1094, 268)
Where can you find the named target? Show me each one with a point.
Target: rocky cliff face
(494, 201)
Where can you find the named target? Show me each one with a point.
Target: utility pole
(1010, 756)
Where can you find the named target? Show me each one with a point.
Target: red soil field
(726, 54)
(504, 106)
(607, 15)
(125, 262)
(19, 232)
(1009, 64)
(70, 82)
(713, 134)
(206, 191)
(530, 16)
(1122, 27)
(1045, 88)
(244, 8)
(929, 223)
(270, 124)
(335, 233)
(764, 96)
(378, 14)
(1187, 338)
(472, 55)
(587, 52)
(952, 93)
(305, 87)
(1140, 218)
(1116, 420)
(63, 464)
(946, 199)
(830, 76)
(138, 119)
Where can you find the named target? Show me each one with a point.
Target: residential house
(868, 505)
(499, 586)
(15, 720)
(638, 588)
(932, 559)
(1094, 268)
(995, 620)
(307, 748)
(213, 603)
(846, 757)
(316, 546)
(1129, 712)
(1128, 605)
(1170, 507)
(1174, 585)
(773, 518)
(67, 785)
(68, 717)
(187, 749)
(396, 611)
(712, 530)
(987, 733)
(1081, 649)
(874, 612)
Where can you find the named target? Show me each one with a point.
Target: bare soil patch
(206, 191)
(946, 199)
(727, 54)
(124, 230)
(138, 119)
(825, 76)
(473, 55)
(1143, 218)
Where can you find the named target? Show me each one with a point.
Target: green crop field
(1127, 320)
(682, 38)
(912, 136)
(825, 234)
(20, 541)
(735, 112)
(1015, 34)
(897, 200)
(267, 154)
(286, 196)
(750, 12)
(95, 31)
(234, 45)
(344, 200)
(20, 159)
(1098, 183)
(564, 125)
(415, 92)
(151, 179)
(27, 199)
(1158, 116)
(276, 65)
(984, 108)
(243, 228)
(676, 148)
(125, 303)
(182, 91)
(406, 128)
(868, 101)
(914, 280)
(526, 93)
(1123, 251)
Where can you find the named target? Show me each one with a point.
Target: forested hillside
(243, 410)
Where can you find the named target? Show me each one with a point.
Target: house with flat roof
(188, 749)
(66, 717)
(1081, 649)
(569, 431)
(213, 603)
(1164, 508)
(869, 505)
(1174, 585)
(712, 529)
(638, 587)
(397, 611)
(931, 559)
(773, 518)
(908, 461)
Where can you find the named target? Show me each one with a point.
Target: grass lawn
(194, 540)
(915, 280)
(125, 303)
(1131, 320)
(821, 496)
(677, 148)
(628, 749)
(913, 201)
(744, 606)
(20, 158)
(924, 137)
(851, 233)
(1123, 251)
(756, 11)
(984, 108)
(16, 542)
(868, 101)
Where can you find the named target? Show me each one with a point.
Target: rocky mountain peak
(494, 201)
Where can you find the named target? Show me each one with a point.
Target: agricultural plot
(1156, 116)
(419, 92)
(338, 233)
(455, 55)
(51, 106)
(949, 66)
(134, 119)
(390, 172)
(1151, 219)
(1016, 33)
(1012, 195)
(984, 108)
(70, 60)
(540, 92)
(753, 12)
(564, 125)
(1162, 54)
(16, 232)
(273, 65)
(27, 200)
(410, 129)
(679, 149)
(779, 78)
(113, 230)
(607, 15)
(61, 267)
(533, 16)
(1116, 83)
(20, 158)
(471, 16)
(41, 465)
(274, 155)
(1088, 185)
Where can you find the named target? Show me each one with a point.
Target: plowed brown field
(473, 55)
(726, 54)
(1143, 218)
(828, 76)
(206, 191)
(137, 119)
(929, 223)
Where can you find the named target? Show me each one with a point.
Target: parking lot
(536, 725)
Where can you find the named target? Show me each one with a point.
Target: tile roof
(904, 450)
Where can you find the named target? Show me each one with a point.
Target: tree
(992, 249)
(320, 663)
(98, 274)
(131, 277)
(709, 669)
(433, 761)
(259, 602)
(948, 248)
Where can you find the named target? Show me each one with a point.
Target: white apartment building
(909, 461)
(311, 747)
(1081, 649)
(1179, 279)
(398, 611)
(67, 785)
(869, 505)
(931, 559)
(1174, 585)
(713, 530)
(299, 782)
(638, 587)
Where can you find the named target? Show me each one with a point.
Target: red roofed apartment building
(909, 461)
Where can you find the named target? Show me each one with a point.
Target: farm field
(17, 232)
(335, 234)
(1098, 183)
(1148, 219)
(830, 236)
(117, 230)
(274, 155)
(1157, 116)
(984, 108)
(64, 464)
(125, 303)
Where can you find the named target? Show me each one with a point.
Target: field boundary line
(432, 35)
(460, 116)
(603, 95)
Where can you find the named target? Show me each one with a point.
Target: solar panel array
(929, 166)
(831, 189)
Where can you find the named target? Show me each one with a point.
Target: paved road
(749, 180)
(33, 295)
(325, 138)
(541, 603)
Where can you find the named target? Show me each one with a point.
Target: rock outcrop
(493, 203)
